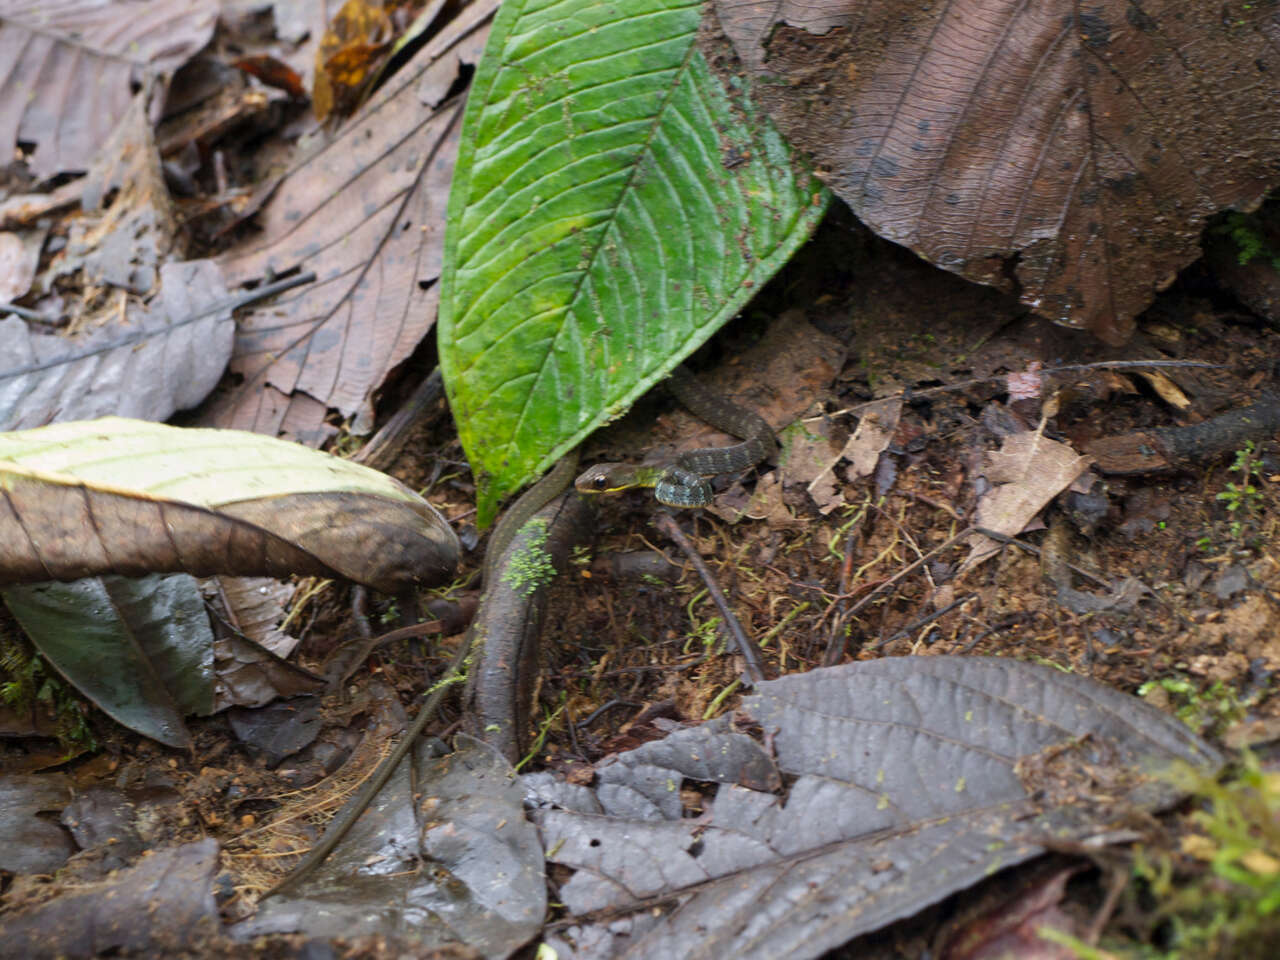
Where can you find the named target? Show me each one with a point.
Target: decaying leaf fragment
(1067, 152)
(444, 857)
(1028, 471)
(132, 497)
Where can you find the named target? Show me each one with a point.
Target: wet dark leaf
(455, 862)
(140, 649)
(1071, 153)
(277, 730)
(910, 778)
(102, 817)
(28, 842)
(157, 908)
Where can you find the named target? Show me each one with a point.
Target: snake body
(529, 503)
(682, 482)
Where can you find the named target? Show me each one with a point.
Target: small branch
(751, 659)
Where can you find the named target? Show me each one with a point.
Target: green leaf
(612, 206)
(142, 650)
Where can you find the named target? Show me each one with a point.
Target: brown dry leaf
(128, 228)
(253, 607)
(142, 360)
(875, 432)
(767, 504)
(1076, 149)
(1028, 471)
(19, 257)
(67, 68)
(131, 497)
(274, 73)
(248, 675)
(810, 453)
(366, 213)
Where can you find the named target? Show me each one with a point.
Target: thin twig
(411, 632)
(909, 394)
(945, 545)
(751, 658)
(339, 827)
(923, 621)
(1004, 538)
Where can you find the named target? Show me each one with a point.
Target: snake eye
(600, 482)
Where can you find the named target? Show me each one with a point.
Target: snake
(529, 503)
(682, 481)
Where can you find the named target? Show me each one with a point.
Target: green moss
(27, 683)
(1251, 243)
(1232, 907)
(1218, 895)
(1209, 711)
(530, 568)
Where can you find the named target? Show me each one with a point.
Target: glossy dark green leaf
(141, 650)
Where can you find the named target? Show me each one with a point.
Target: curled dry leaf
(1067, 152)
(126, 496)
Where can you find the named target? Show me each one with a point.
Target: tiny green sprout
(1250, 240)
(1244, 495)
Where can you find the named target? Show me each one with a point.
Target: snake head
(595, 479)
(614, 477)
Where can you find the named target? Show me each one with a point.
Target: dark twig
(340, 825)
(598, 712)
(26, 313)
(1007, 540)
(370, 644)
(386, 444)
(835, 641)
(923, 621)
(909, 568)
(1068, 368)
(751, 658)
